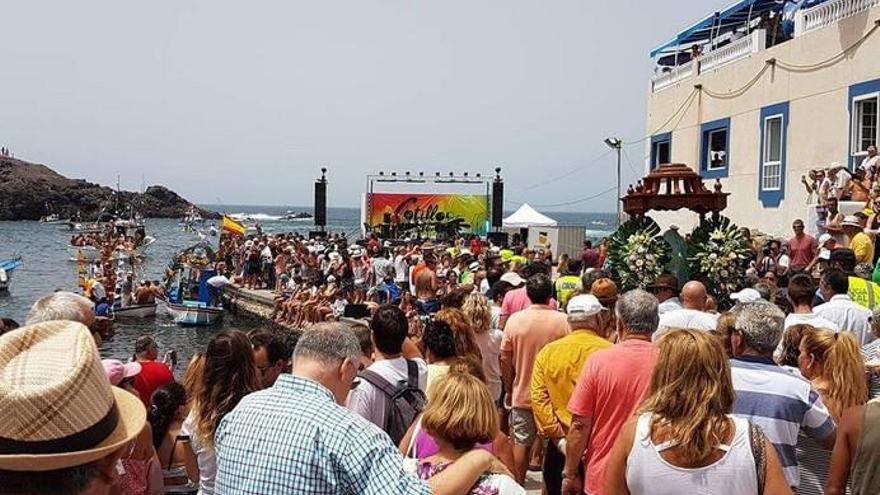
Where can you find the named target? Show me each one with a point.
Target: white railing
(672, 76)
(828, 13)
(731, 52)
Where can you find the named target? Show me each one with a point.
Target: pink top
(518, 300)
(426, 446)
(802, 250)
(612, 384)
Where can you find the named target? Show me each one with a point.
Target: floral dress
(483, 486)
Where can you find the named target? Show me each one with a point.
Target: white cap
(512, 278)
(474, 266)
(824, 238)
(584, 305)
(851, 221)
(748, 295)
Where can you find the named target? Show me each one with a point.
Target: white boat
(92, 253)
(136, 311)
(6, 268)
(53, 218)
(192, 313)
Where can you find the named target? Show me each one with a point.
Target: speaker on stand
(497, 200)
(321, 202)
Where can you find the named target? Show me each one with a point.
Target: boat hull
(136, 311)
(193, 316)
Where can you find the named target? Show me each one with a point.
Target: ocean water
(46, 267)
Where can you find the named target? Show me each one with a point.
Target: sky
(236, 102)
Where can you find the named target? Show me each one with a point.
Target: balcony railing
(731, 52)
(828, 13)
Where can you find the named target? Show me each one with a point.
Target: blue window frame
(864, 131)
(771, 157)
(715, 149)
(661, 149)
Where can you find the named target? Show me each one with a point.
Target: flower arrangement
(718, 254)
(637, 255)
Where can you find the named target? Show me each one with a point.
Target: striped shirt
(782, 405)
(295, 438)
(871, 352)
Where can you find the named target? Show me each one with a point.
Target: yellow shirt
(566, 286)
(864, 292)
(863, 248)
(557, 368)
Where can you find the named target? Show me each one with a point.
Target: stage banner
(429, 214)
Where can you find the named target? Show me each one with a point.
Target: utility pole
(616, 144)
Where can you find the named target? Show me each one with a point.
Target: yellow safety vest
(864, 292)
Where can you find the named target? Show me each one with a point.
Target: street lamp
(616, 144)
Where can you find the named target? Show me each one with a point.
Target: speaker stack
(320, 203)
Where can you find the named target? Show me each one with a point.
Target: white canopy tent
(526, 217)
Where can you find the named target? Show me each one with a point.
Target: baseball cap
(512, 278)
(747, 295)
(584, 305)
(824, 238)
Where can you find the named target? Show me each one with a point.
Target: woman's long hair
(465, 342)
(476, 310)
(791, 341)
(192, 377)
(691, 393)
(165, 403)
(229, 374)
(843, 370)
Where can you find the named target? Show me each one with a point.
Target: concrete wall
(819, 120)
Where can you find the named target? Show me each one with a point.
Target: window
(661, 149)
(715, 150)
(771, 176)
(773, 129)
(864, 125)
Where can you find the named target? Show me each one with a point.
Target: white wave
(258, 217)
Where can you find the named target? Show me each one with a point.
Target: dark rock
(29, 191)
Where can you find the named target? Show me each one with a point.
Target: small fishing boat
(193, 313)
(6, 268)
(52, 219)
(135, 311)
(190, 298)
(297, 215)
(93, 253)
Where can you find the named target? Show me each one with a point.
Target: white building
(759, 110)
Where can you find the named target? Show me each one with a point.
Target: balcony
(828, 13)
(719, 57)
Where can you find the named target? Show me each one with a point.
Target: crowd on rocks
(459, 373)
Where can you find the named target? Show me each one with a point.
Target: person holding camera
(154, 374)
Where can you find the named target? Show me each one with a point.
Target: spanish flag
(233, 226)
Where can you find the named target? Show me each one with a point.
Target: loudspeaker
(497, 238)
(497, 203)
(321, 203)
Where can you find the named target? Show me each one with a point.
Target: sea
(46, 267)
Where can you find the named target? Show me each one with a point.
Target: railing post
(759, 40)
(798, 23)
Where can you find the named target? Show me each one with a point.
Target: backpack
(404, 401)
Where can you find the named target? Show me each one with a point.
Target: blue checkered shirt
(294, 438)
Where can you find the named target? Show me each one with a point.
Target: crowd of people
(459, 367)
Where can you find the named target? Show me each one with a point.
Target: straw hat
(59, 408)
(851, 221)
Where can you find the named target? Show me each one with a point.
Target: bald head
(693, 295)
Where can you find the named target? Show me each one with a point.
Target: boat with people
(6, 269)
(136, 311)
(297, 215)
(191, 301)
(118, 239)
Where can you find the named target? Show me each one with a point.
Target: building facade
(759, 118)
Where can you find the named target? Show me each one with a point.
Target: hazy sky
(243, 102)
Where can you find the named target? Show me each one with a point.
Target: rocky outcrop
(29, 191)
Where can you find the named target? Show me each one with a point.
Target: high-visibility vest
(864, 292)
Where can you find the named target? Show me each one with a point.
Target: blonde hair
(476, 310)
(192, 377)
(691, 393)
(842, 368)
(462, 333)
(460, 411)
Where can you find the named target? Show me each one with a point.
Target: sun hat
(665, 281)
(60, 410)
(851, 221)
(584, 305)
(747, 295)
(117, 371)
(512, 278)
(605, 290)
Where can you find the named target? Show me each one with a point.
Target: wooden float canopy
(670, 187)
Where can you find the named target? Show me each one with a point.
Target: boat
(297, 215)
(52, 219)
(189, 296)
(6, 268)
(93, 253)
(192, 313)
(136, 311)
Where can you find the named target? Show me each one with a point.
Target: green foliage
(718, 255)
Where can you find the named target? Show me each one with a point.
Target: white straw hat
(59, 409)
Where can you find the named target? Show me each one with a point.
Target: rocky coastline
(29, 191)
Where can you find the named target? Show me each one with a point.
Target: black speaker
(321, 203)
(497, 203)
(497, 238)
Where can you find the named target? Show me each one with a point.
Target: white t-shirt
(809, 319)
(504, 484)
(668, 305)
(205, 456)
(369, 402)
(400, 269)
(218, 281)
(686, 319)
(869, 162)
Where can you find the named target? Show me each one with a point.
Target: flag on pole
(233, 226)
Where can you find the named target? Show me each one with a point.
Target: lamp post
(616, 144)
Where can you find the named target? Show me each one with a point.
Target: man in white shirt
(869, 164)
(691, 315)
(840, 309)
(389, 329)
(665, 289)
(801, 292)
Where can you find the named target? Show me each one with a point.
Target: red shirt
(476, 246)
(802, 250)
(152, 376)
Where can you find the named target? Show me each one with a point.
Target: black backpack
(403, 401)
